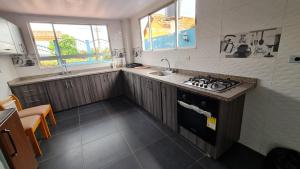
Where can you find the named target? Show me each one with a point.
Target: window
(145, 31)
(163, 29)
(73, 44)
(186, 23)
(171, 27)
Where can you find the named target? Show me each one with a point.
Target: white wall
(22, 21)
(7, 73)
(271, 114)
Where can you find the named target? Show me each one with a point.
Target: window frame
(176, 2)
(59, 58)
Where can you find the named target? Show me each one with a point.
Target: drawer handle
(8, 132)
(33, 101)
(27, 91)
(194, 108)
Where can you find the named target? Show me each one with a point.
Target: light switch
(294, 59)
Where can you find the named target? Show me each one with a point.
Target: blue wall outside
(168, 41)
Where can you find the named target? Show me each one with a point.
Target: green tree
(67, 45)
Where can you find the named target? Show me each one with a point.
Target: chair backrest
(5, 103)
(17, 102)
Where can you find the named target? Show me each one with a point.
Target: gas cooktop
(211, 83)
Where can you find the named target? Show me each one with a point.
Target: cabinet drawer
(31, 95)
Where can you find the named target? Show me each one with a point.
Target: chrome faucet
(169, 67)
(64, 65)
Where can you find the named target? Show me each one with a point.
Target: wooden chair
(30, 124)
(42, 110)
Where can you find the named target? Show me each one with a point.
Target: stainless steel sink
(161, 73)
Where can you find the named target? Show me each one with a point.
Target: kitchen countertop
(4, 114)
(50, 77)
(175, 79)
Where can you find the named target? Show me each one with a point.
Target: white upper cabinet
(11, 41)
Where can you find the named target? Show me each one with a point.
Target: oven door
(196, 121)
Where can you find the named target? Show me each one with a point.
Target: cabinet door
(96, 89)
(15, 145)
(31, 95)
(169, 106)
(119, 83)
(129, 89)
(136, 81)
(59, 95)
(17, 38)
(5, 35)
(79, 87)
(156, 100)
(126, 84)
(105, 85)
(146, 94)
(151, 97)
(7, 45)
(115, 83)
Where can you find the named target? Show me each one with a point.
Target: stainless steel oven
(198, 114)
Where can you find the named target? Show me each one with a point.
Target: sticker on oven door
(211, 123)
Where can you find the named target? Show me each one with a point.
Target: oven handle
(195, 108)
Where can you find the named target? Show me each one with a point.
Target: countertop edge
(40, 80)
(199, 91)
(5, 114)
(245, 87)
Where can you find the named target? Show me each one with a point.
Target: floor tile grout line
(131, 150)
(196, 161)
(168, 136)
(81, 145)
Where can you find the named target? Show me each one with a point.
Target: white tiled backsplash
(271, 115)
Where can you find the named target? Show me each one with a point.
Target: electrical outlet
(294, 59)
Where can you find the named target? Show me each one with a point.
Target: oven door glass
(196, 123)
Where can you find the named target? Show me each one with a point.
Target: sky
(82, 32)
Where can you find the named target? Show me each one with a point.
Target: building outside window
(173, 26)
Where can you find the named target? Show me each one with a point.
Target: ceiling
(108, 9)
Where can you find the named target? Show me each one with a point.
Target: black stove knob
(201, 85)
(205, 85)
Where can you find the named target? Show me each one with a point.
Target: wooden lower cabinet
(96, 89)
(60, 95)
(79, 90)
(128, 85)
(151, 97)
(115, 81)
(137, 88)
(14, 143)
(31, 95)
(169, 106)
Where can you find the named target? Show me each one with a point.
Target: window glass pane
(101, 42)
(44, 38)
(163, 28)
(186, 23)
(145, 32)
(75, 43)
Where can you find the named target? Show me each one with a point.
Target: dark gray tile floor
(116, 134)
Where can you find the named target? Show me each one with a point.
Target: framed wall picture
(258, 43)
